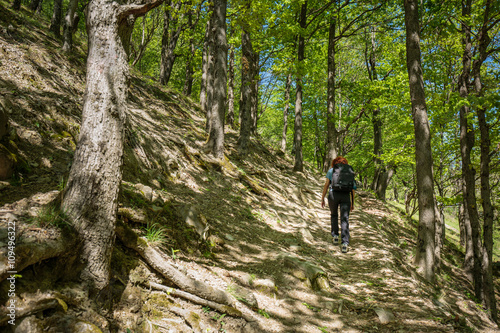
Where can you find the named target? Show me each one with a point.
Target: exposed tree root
(191, 318)
(254, 185)
(155, 259)
(32, 304)
(198, 300)
(29, 253)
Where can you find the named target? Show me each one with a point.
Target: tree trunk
(188, 83)
(487, 263)
(210, 72)
(332, 134)
(34, 5)
(219, 81)
(39, 7)
(423, 154)
(377, 149)
(317, 149)
(204, 69)
(171, 34)
(383, 181)
(461, 223)
(91, 196)
(16, 5)
(286, 110)
(487, 250)
(68, 26)
(230, 87)
(298, 166)
(247, 72)
(254, 104)
(466, 144)
(55, 23)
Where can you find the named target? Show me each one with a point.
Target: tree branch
(137, 9)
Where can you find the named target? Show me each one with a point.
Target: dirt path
(371, 282)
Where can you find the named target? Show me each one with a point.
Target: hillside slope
(250, 226)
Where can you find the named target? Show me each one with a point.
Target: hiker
(340, 184)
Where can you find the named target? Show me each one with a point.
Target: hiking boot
(344, 247)
(335, 239)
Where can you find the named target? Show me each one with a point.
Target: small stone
(29, 325)
(146, 191)
(84, 327)
(229, 237)
(264, 285)
(385, 316)
(156, 209)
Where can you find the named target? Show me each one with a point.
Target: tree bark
(230, 86)
(34, 4)
(210, 74)
(466, 144)
(171, 33)
(69, 20)
(332, 133)
(299, 161)
(188, 82)
(247, 72)
(219, 81)
(423, 154)
(286, 110)
(204, 68)
(16, 5)
(254, 97)
(385, 176)
(485, 143)
(91, 196)
(154, 258)
(55, 23)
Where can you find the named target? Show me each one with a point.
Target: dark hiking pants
(342, 199)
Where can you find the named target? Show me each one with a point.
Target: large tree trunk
(487, 250)
(55, 23)
(230, 87)
(332, 134)
(380, 172)
(34, 4)
(188, 82)
(385, 176)
(247, 71)
(424, 257)
(16, 5)
(219, 81)
(210, 73)
(69, 20)
(91, 197)
(466, 144)
(204, 68)
(299, 161)
(487, 263)
(286, 110)
(254, 97)
(171, 34)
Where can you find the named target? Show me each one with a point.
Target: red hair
(339, 159)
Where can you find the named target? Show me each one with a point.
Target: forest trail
(249, 226)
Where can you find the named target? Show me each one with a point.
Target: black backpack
(342, 178)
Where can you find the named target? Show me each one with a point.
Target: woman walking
(340, 186)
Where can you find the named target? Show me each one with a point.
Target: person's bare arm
(325, 191)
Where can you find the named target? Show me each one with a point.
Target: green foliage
(51, 216)
(263, 313)
(155, 235)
